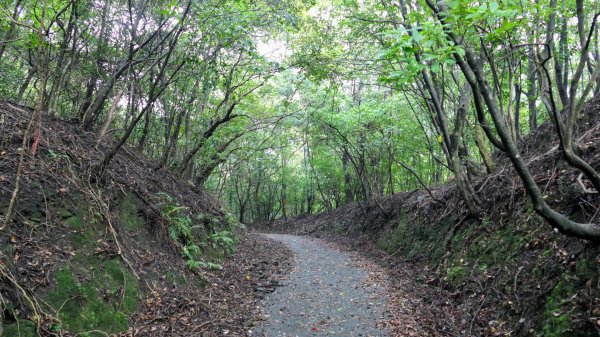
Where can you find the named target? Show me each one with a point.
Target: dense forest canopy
(282, 108)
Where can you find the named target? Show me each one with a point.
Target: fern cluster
(180, 224)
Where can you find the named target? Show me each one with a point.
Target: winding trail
(327, 294)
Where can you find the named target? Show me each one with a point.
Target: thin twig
(203, 325)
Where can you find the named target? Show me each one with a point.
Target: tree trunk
(517, 111)
(109, 117)
(473, 72)
(484, 151)
(145, 130)
(283, 188)
(32, 71)
(348, 188)
(11, 29)
(532, 91)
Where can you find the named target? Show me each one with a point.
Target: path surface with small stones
(327, 294)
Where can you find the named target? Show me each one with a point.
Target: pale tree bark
(484, 151)
(109, 116)
(532, 89)
(453, 143)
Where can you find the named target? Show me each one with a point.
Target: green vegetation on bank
(288, 108)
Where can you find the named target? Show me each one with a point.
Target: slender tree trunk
(390, 174)
(283, 188)
(517, 117)
(93, 82)
(308, 188)
(462, 181)
(453, 141)
(348, 188)
(109, 117)
(560, 60)
(473, 72)
(484, 151)
(532, 91)
(145, 130)
(32, 71)
(171, 136)
(63, 67)
(510, 116)
(11, 29)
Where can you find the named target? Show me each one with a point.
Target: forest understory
(97, 257)
(145, 145)
(506, 274)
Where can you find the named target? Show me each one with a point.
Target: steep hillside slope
(135, 252)
(508, 273)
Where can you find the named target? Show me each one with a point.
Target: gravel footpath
(327, 294)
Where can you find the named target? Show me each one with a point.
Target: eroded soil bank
(94, 256)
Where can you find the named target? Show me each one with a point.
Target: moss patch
(97, 298)
(22, 328)
(456, 275)
(128, 213)
(76, 221)
(556, 321)
(414, 239)
(393, 241)
(560, 306)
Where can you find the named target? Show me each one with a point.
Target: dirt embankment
(114, 255)
(508, 273)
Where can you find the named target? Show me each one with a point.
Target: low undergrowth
(86, 255)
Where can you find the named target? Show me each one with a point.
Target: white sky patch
(273, 49)
(326, 12)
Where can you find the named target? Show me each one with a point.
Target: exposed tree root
(13, 200)
(38, 314)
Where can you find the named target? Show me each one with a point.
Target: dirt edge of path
(414, 307)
